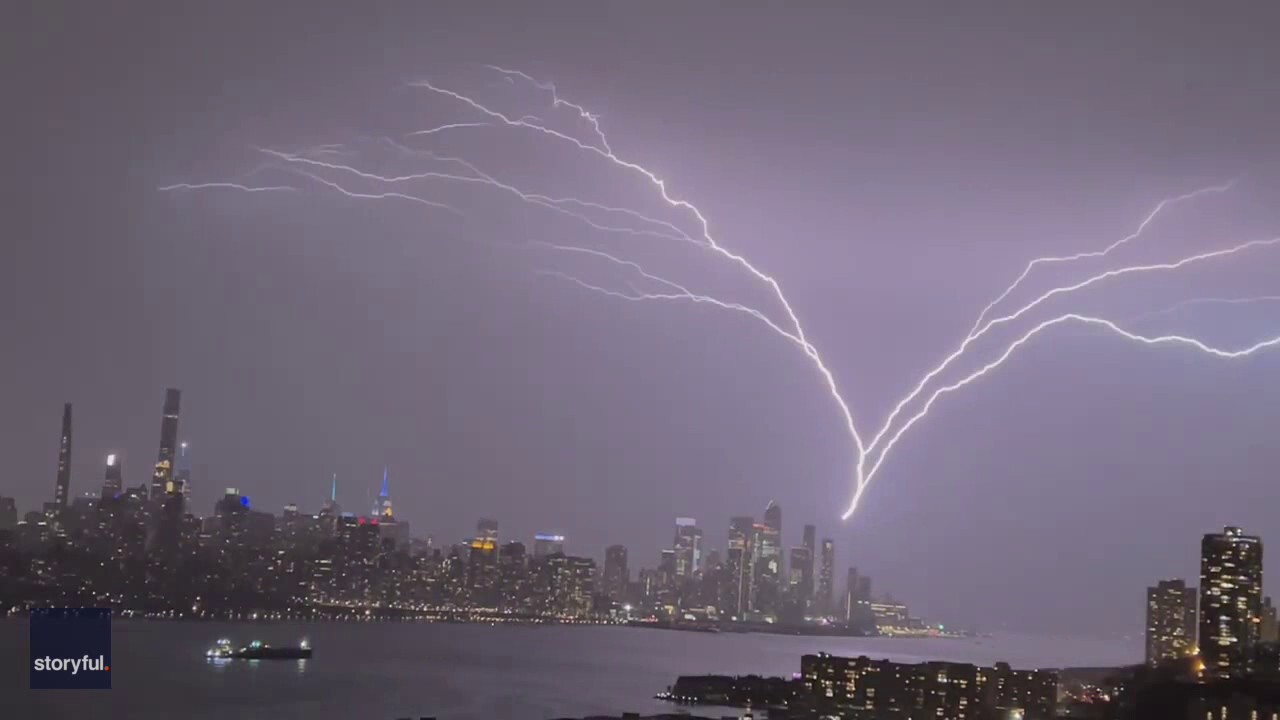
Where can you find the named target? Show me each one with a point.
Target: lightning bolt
(583, 210)
(605, 151)
(1206, 301)
(226, 185)
(1023, 340)
(451, 126)
(1097, 253)
(377, 196)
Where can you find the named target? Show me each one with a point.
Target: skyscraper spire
(382, 506)
(333, 492)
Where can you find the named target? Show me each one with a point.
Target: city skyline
(893, 173)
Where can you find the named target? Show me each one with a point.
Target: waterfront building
(826, 579)
(1171, 621)
(1230, 602)
(688, 547)
(616, 577)
(955, 691)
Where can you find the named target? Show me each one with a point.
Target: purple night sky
(893, 165)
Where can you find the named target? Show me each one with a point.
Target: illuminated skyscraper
(768, 561)
(162, 477)
(1171, 621)
(62, 486)
(616, 576)
(487, 529)
(1230, 602)
(182, 475)
(547, 544)
(382, 506)
(688, 547)
(113, 479)
(826, 578)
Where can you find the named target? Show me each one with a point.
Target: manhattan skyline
(314, 336)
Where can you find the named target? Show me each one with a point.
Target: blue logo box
(70, 649)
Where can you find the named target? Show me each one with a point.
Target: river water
(384, 671)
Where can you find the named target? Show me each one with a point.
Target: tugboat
(258, 650)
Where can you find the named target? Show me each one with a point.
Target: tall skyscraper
(182, 475)
(768, 569)
(162, 477)
(810, 544)
(616, 576)
(113, 478)
(487, 529)
(382, 506)
(1171, 621)
(688, 547)
(739, 564)
(857, 597)
(62, 487)
(826, 578)
(1230, 601)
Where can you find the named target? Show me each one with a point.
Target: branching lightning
(1207, 301)
(226, 185)
(633, 223)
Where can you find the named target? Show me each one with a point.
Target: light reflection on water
(382, 671)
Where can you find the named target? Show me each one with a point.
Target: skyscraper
(113, 479)
(162, 477)
(547, 544)
(382, 506)
(487, 529)
(810, 544)
(1171, 621)
(739, 563)
(688, 547)
(1230, 601)
(62, 487)
(826, 578)
(856, 608)
(768, 568)
(616, 576)
(182, 475)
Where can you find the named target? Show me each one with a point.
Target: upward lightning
(603, 150)
(606, 218)
(1096, 253)
(1023, 340)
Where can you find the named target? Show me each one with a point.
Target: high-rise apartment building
(1171, 621)
(1230, 602)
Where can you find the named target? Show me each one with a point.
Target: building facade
(1230, 602)
(1171, 621)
